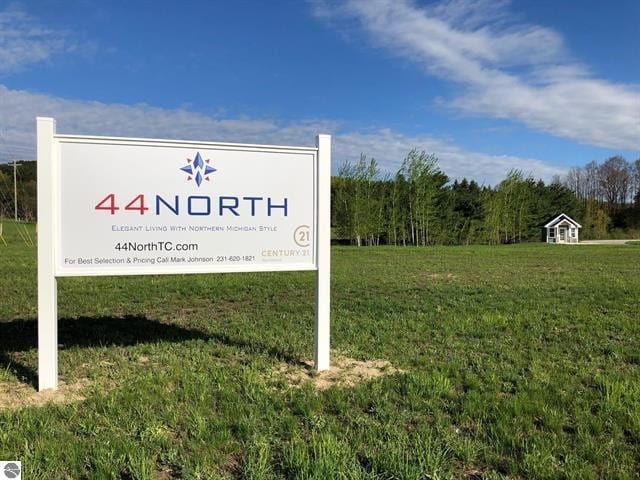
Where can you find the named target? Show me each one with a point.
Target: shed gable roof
(560, 218)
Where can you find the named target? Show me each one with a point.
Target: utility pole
(15, 190)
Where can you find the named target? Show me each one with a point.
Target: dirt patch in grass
(438, 277)
(166, 473)
(15, 395)
(441, 276)
(344, 372)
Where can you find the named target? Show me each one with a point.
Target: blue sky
(487, 85)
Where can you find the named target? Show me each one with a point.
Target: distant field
(519, 362)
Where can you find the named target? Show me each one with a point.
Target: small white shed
(562, 229)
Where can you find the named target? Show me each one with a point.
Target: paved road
(606, 242)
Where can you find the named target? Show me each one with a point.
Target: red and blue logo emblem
(198, 169)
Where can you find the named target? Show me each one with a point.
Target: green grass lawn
(519, 362)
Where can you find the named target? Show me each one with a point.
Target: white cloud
(18, 110)
(23, 41)
(390, 148)
(509, 70)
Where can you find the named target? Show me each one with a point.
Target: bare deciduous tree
(615, 181)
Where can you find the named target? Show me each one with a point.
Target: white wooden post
(323, 239)
(47, 285)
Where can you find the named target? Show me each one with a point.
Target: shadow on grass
(22, 335)
(85, 332)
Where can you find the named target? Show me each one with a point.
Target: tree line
(26, 190)
(419, 205)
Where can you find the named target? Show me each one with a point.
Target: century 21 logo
(196, 205)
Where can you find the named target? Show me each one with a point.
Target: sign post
(127, 206)
(47, 283)
(323, 241)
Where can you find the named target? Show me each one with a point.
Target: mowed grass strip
(518, 362)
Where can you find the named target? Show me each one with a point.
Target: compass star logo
(198, 169)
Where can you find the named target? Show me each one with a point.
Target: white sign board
(130, 208)
(125, 206)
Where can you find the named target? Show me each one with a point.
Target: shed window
(573, 233)
(552, 232)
